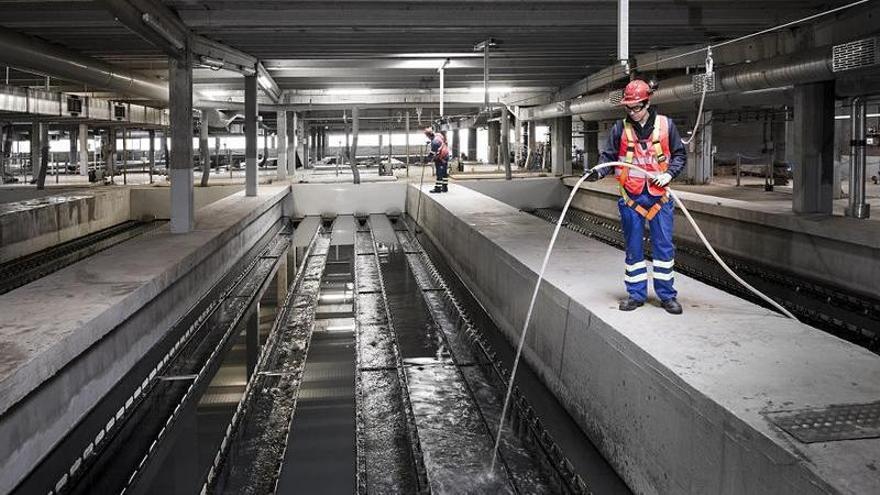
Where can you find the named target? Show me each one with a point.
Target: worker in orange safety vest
(650, 141)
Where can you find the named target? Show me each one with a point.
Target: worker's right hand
(593, 176)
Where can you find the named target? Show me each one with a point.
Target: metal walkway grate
(828, 424)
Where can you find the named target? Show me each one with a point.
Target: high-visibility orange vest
(650, 154)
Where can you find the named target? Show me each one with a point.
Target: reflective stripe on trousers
(442, 172)
(636, 269)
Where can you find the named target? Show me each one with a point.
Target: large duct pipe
(803, 68)
(27, 53)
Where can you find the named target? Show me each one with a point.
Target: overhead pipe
(812, 66)
(31, 54)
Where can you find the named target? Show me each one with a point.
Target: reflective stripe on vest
(654, 158)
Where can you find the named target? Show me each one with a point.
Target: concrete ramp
(677, 404)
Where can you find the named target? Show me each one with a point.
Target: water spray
(525, 327)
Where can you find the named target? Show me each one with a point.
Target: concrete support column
(532, 133)
(700, 168)
(163, 148)
(323, 143)
(472, 144)
(517, 141)
(73, 154)
(43, 154)
(381, 139)
(504, 151)
(152, 153)
(180, 169)
(83, 136)
(355, 127)
(313, 144)
(591, 144)
(204, 152)
(560, 142)
(407, 131)
(110, 168)
(250, 139)
(306, 145)
(494, 142)
(282, 145)
(36, 131)
(293, 143)
(813, 148)
(456, 143)
(216, 164)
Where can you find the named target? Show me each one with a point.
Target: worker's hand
(662, 179)
(593, 176)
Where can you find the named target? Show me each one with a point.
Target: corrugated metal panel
(99, 109)
(136, 113)
(44, 102)
(13, 99)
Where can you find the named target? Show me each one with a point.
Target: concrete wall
(32, 225)
(540, 192)
(45, 220)
(675, 408)
(156, 201)
(346, 199)
(107, 313)
(837, 251)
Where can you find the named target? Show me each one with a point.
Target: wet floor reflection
(321, 452)
(417, 335)
(186, 456)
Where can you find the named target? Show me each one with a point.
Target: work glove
(593, 176)
(662, 180)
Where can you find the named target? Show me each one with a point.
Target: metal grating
(700, 80)
(832, 423)
(855, 54)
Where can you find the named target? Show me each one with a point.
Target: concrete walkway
(676, 404)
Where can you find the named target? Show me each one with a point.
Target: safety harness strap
(658, 148)
(648, 213)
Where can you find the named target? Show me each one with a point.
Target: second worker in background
(439, 154)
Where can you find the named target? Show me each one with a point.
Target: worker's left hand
(662, 179)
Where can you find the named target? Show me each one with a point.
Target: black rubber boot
(445, 188)
(436, 189)
(672, 306)
(630, 304)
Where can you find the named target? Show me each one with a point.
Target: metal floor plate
(832, 423)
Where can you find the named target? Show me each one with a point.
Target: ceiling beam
(160, 26)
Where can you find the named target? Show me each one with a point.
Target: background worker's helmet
(636, 91)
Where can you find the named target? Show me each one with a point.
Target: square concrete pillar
(293, 143)
(282, 145)
(591, 143)
(204, 151)
(813, 148)
(250, 139)
(36, 131)
(504, 151)
(472, 144)
(181, 173)
(699, 169)
(494, 142)
(560, 145)
(532, 133)
(83, 136)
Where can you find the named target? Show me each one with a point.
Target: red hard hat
(635, 92)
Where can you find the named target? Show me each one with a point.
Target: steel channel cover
(832, 423)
